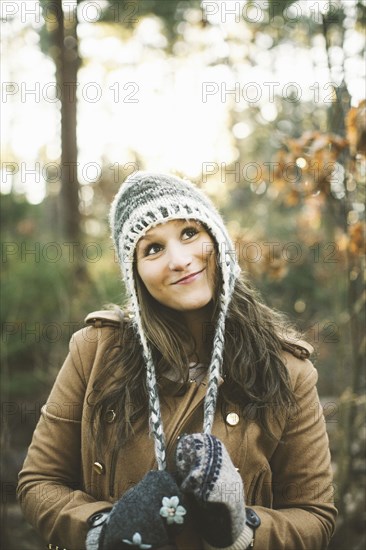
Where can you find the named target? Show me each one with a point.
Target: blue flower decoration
(172, 510)
(137, 541)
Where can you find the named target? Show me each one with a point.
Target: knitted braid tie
(156, 424)
(144, 201)
(215, 369)
(155, 415)
(213, 380)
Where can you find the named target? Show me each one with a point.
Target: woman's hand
(206, 472)
(146, 516)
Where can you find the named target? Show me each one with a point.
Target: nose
(179, 258)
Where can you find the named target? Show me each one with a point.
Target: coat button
(98, 468)
(232, 419)
(110, 416)
(98, 519)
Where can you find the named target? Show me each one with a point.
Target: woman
(238, 454)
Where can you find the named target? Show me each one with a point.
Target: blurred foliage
(45, 293)
(124, 14)
(127, 12)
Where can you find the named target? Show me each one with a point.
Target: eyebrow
(146, 238)
(152, 235)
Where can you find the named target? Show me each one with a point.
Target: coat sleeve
(49, 489)
(303, 514)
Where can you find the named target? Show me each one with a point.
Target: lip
(188, 278)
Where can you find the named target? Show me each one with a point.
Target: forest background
(262, 104)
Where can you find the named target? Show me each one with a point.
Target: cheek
(149, 274)
(212, 269)
(209, 258)
(139, 269)
(205, 248)
(143, 272)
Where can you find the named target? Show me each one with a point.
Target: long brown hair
(253, 369)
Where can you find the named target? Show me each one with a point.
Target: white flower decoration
(172, 510)
(137, 541)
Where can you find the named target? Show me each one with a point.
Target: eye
(189, 232)
(152, 248)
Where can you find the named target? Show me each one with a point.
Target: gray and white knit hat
(148, 199)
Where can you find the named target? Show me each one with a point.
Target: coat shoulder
(108, 317)
(103, 332)
(101, 328)
(298, 348)
(300, 369)
(297, 356)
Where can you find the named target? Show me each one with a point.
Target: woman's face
(176, 262)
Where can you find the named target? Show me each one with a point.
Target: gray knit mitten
(206, 472)
(148, 516)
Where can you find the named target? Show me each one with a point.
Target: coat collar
(170, 386)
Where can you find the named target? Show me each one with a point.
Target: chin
(188, 303)
(194, 305)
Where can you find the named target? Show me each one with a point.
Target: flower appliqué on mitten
(172, 511)
(137, 541)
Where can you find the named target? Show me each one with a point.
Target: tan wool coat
(287, 480)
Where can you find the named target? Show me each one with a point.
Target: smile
(189, 278)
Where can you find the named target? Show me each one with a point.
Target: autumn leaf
(356, 128)
(356, 243)
(308, 164)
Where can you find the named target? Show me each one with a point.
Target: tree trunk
(67, 65)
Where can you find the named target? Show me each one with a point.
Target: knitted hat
(144, 201)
